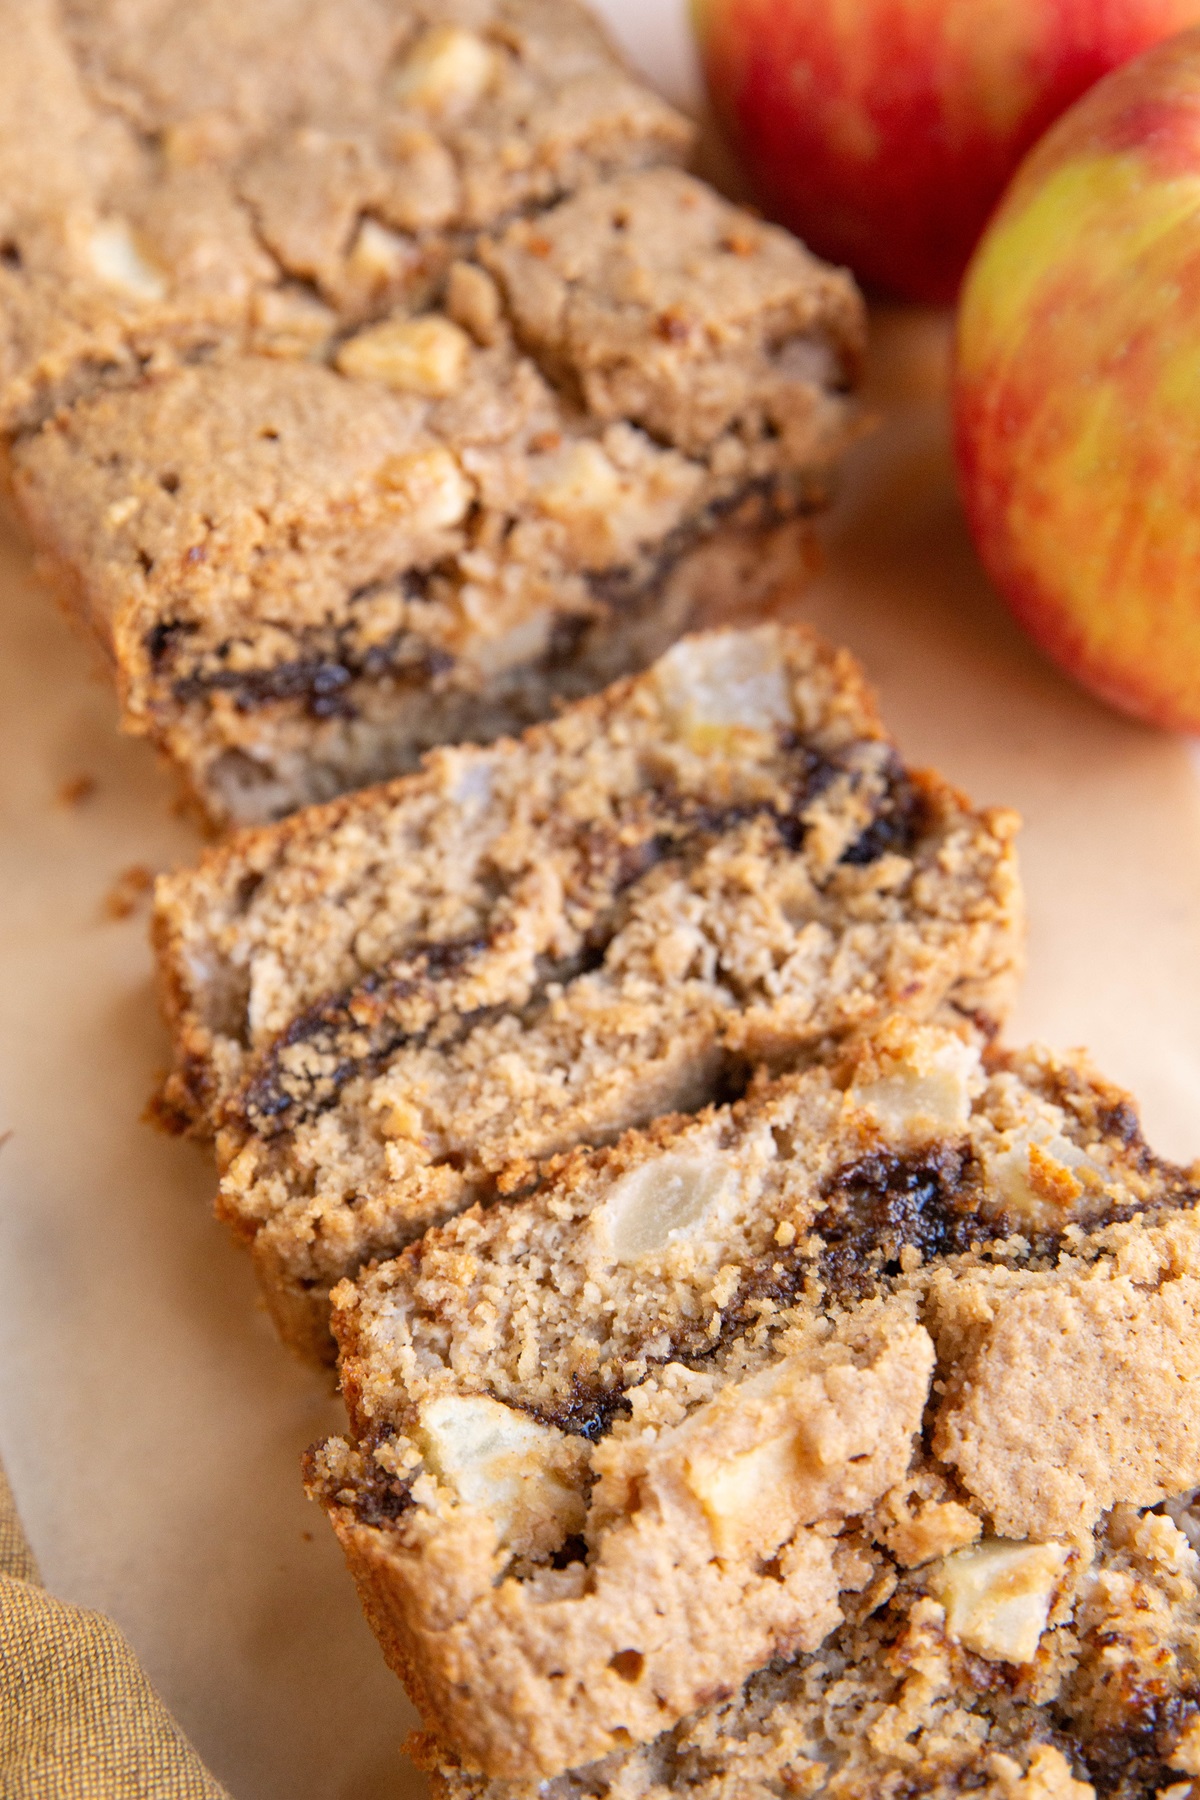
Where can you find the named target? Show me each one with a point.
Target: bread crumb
(77, 790)
(127, 891)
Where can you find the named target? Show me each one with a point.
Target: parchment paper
(151, 1425)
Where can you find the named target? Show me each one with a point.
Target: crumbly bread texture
(309, 569)
(393, 1006)
(652, 300)
(902, 1701)
(618, 1444)
(316, 528)
(177, 176)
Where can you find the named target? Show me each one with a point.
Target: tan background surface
(150, 1424)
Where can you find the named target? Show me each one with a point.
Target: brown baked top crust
(424, 484)
(176, 175)
(653, 300)
(294, 559)
(277, 441)
(722, 1332)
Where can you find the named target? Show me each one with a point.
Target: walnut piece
(424, 356)
(997, 1596)
(447, 71)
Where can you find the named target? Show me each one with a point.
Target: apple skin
(884, 131)
(1077, 390)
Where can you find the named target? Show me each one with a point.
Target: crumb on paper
(127, 891)
(5, 1136)
(77, 790)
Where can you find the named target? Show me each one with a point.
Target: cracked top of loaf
(653, 300)
(424, 481)
(724, 1332)
(176, 171)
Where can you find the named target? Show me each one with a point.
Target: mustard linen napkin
(78, 1718)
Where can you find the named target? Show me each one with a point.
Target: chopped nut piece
(473, 301)
(435, 486)
(582, 480)
(413, 356)
(997, 1596)
(117, 261)
(446, 71)
(291, 322)
(379, 259)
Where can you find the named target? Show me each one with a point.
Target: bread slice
(390, 1007)
(913, 1696)
(618, 1444)
(308, 570)
(183, 177)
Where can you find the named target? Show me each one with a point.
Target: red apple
(884, 131)
(1077, 389)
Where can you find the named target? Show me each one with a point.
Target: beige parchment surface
(151, 1426)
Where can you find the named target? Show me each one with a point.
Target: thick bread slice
(395, 1005)
(607, 1439)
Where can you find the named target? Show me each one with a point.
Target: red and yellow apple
(884, 131)
(1077, 389)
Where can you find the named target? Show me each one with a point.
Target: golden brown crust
(174, 178)
(318, 534)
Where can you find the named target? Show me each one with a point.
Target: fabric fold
(78, 1718)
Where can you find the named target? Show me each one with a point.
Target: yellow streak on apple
(1079, 346)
